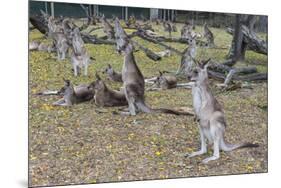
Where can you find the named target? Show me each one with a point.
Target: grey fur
(107, 97)
(165, 82)
(208, 35)
(211, 117)
(187, 60)
(73, 95)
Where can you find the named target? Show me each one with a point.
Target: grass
(78, 145)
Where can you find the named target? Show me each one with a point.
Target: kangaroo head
(200, 73)
(108, 70)
(160, 79)
(97, 85)
(121, 37)
(67, 88)
(75, 32)
(192, 40)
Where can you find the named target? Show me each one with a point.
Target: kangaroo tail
(170, 111)
(225, 146)
(48, 92)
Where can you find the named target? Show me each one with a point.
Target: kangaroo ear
(206, 63)
(98, 76)
(200, 64)
(109, 66)
(66, 82)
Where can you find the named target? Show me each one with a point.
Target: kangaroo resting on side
(73, 95)
(211, 117)
(106, 97)
(165, 82)
(133, 81)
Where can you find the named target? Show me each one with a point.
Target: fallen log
(147, 51)
(92, 39)
(38, 23)
(248, 77)
(155, 41)
(254, 42)
(224, 68)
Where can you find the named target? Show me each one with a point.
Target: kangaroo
(77, 42)
(61, 44)
(208, 35)
(105, 97)
(212, 121)
(174, 27)
(36, 45)
(165, 82)
(187, 60)
(107, 28)
(133, 81)
(73, 95)
(53, 27)
(131, 21)
(33, 45)
(112, 75)
(167, 27)
(165, 53)
(80, 61)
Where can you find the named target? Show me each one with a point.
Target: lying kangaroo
(165, 82)
(133, 81)
(73, 95)
(165, 53)
(211, 117)
(112, 75)
(36, 45)
(106, 97)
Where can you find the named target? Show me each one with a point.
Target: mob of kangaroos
(208, 112)
(210, 115)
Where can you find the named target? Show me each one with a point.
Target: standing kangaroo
(211, 117)
(133, 81)
(187, 60)
(77, 42)
(62, 45)
(208, 35)
(112, 75)
(73, 95)
(106, 97)
(107, 28)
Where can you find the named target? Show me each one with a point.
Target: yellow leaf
(158, 153)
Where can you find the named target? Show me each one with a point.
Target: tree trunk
(235, 52)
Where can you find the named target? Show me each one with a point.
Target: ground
(88, 144)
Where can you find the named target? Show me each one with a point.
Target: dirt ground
(88, 144)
